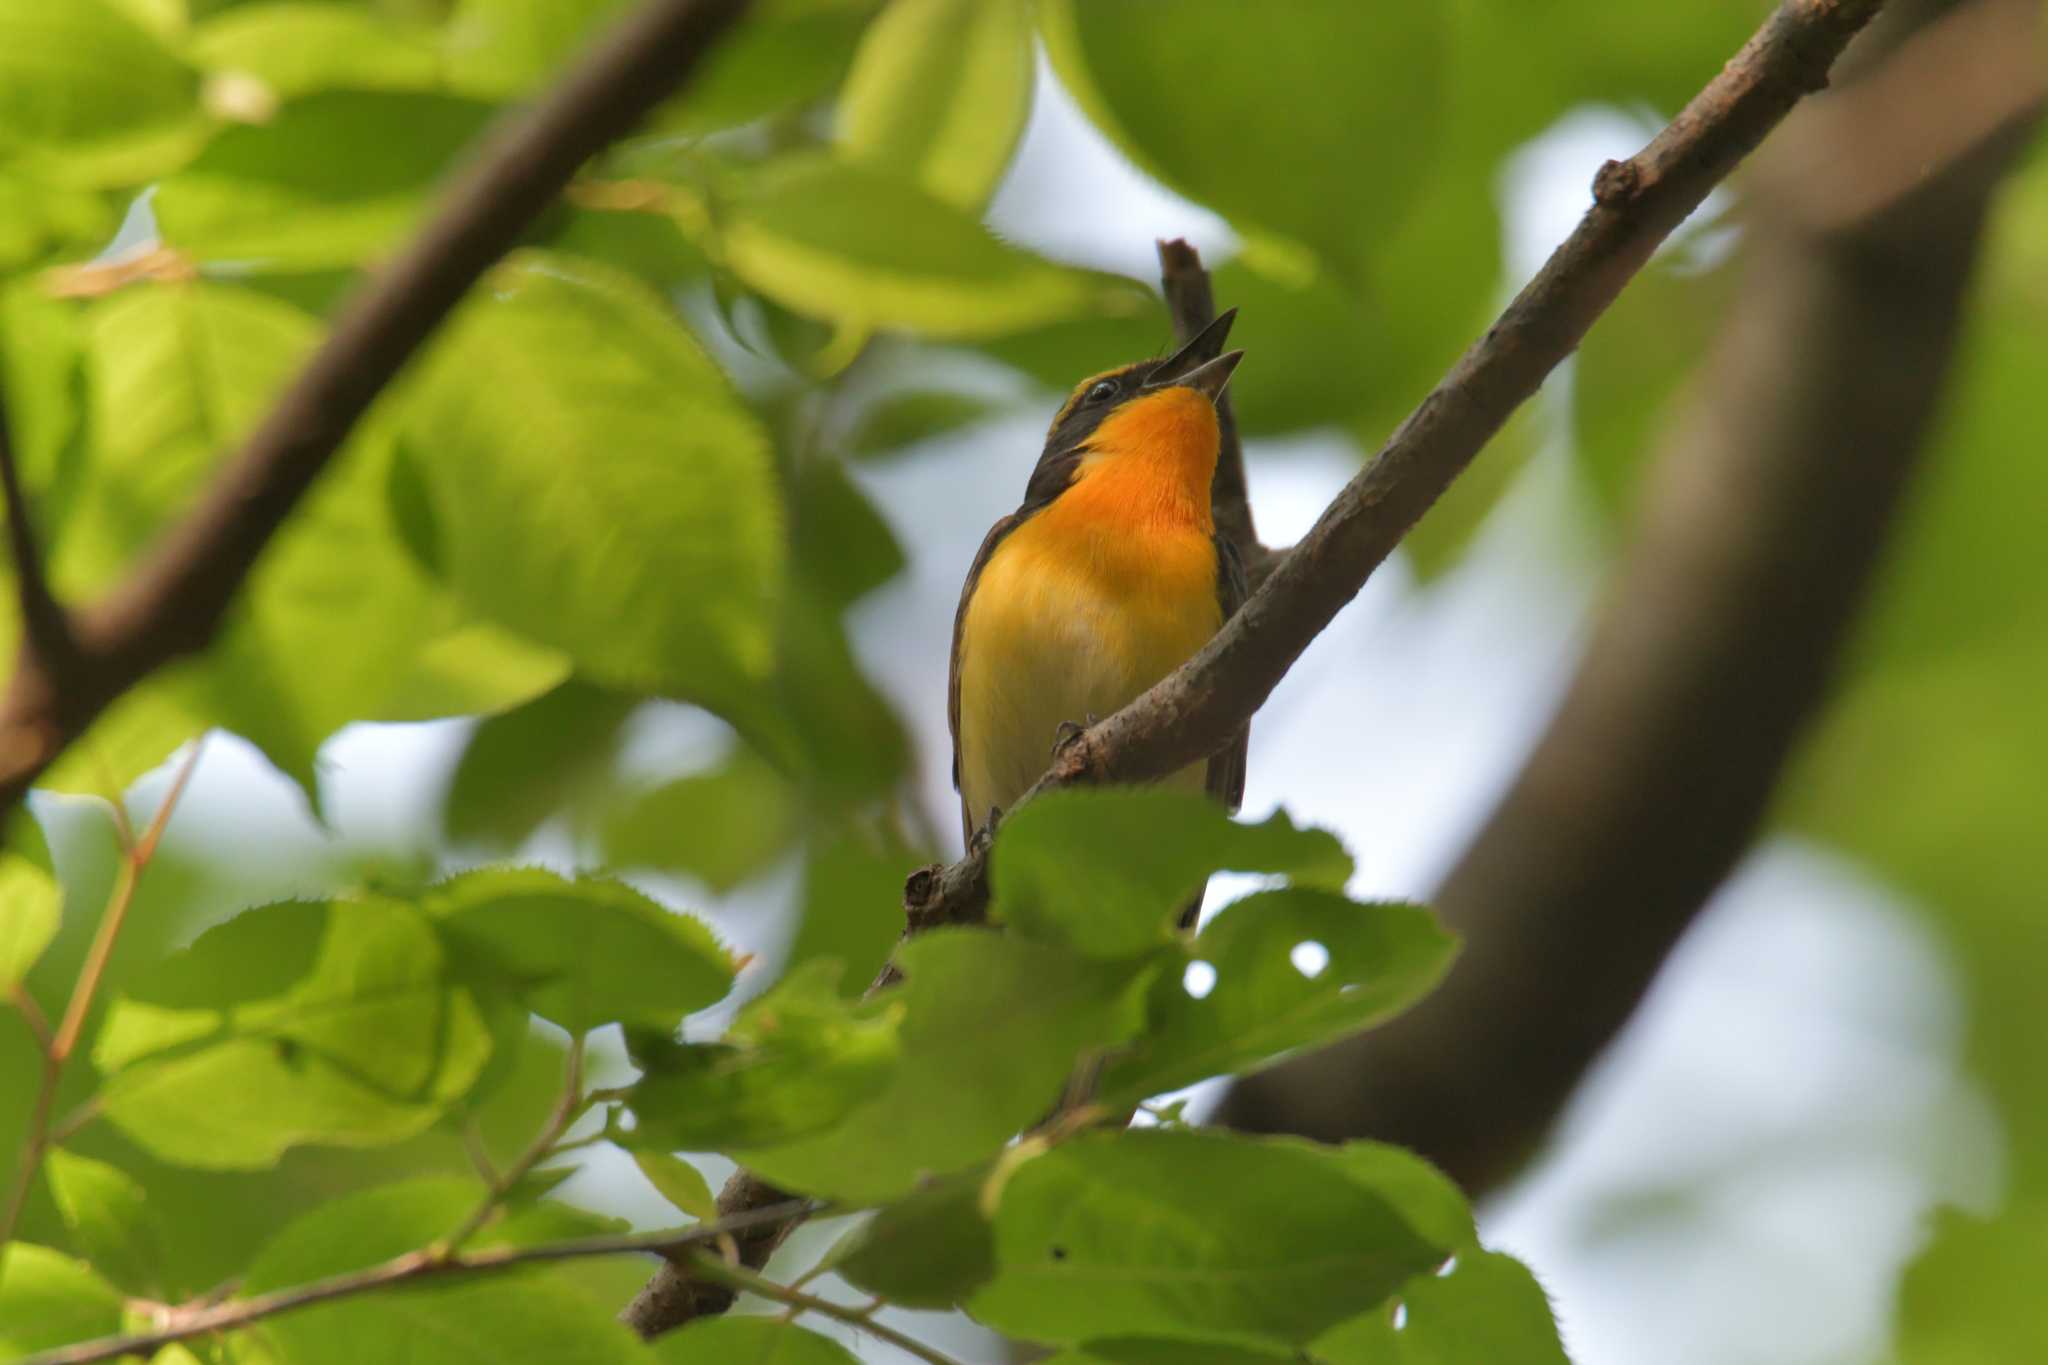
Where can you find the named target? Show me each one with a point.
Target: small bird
(1106, 579)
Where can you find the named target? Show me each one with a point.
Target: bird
(1109, 576)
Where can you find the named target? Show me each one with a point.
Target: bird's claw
(1070, 731)
(986, 835)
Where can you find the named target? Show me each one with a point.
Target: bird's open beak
(1209, 378)
(1203, 350)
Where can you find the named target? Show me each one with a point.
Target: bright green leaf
(1486, 1307)
(721, 826)
(297, 48)
(608, 447)
(854, 245)
(91, 96)
(48, 1299)
(1152, 1351)
(797, 1059)
(931, 1249)
(526, 764)
(749, 1341)
(1105, 873)
(109, 1219)
(31, 908)
(781, 56)
(335, 179)
(582, 953)
(938, 93)
(677, 1181)
(40, 222)
(1291, 969)
(291, 1024)
(1333, 169)
(1194, 1236)
(506, 48)
(993, 1029)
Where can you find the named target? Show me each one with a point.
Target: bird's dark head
(1148, 395)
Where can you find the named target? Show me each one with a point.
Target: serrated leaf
(1174, 95)
(610, 449)
(582, 953)
(931, 1249)
(91, 97)
(856, 246)
(797, 1059)
(1191, 1236)
(749, 1341)
(291, 1024)
(1486, 1306)
(1291, 969)
(1106, 872)
(109, 1219)
(938, 93)
(337, 178)
(992, 1030)
(677, 1181)
(296, 48)
(31, 908)
(49, 1299)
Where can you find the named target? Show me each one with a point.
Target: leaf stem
(752, 1282)
(569, 1105)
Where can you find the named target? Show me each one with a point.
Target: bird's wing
(1226, 766)
(981, 558)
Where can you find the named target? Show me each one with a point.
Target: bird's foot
(979, 842)
(1069, 732)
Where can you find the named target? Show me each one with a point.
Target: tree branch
(1202, 705)
(1759, 530)
(183, 1323)
(1638, 202)
(1192, 302)
(173, 601)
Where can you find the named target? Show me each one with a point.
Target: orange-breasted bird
(1106, 579)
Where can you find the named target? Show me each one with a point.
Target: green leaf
(1105, 873)
(90, 97)
(939, 92)
(335, 179)
(677, 1181)
(1152, 1351)
(1310, 351)
(48, 1299)
(722, 826)
(1334, 171)
(109, 1219)
(900, 420)
(608, 447)
(520, 1317)
(1061, 354)
(42, 378)
(749, 1341)
(797, 1059)
(505, 48)
(844, 547)
(992, 1030)
(582, 953)
(290, 1024)
(1485, 1307)
(31, 908)
(931, 1249)
(1191, 1236)
(41, 222)
(526, 764)
(1271, 995)
(859, 247)
(852, 906)
(297, 48)
(781, 56)
(830, 724)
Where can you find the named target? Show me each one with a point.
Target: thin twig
(200, 1318)
(32, 1015)
(752, 1282)
(568, 1107)
(173, 601)
(135, 858)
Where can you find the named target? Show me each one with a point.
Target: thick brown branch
(174, 600)
(1759, 531)
(1638, 202)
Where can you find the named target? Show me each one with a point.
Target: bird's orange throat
(1149, 466)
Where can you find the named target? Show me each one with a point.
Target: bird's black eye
(1101, 391)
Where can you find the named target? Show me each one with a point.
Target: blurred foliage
(606, 494)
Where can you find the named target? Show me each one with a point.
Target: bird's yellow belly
(1062, 630)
